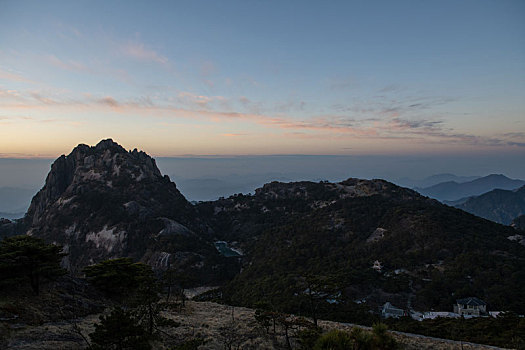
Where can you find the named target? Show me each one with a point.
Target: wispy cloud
(95, 67)
(514, 134)
(342, 83)
(140, 52)
(10, 94)
(388, 123)
(108, 101)
(66, 31)
(6, 75)
(289, 105)
(403, 105)
(201, 101)
(233, 134)
(390, 88)
(405, 124)
(43, 99)
(5, 120)
(13, 118)
(69, 65)
(19, 155)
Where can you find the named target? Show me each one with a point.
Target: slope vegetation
(501, 206)
(343, 249)
(452, 191)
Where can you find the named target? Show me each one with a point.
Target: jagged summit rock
(348, 188)
(109, 144)
(105, 165)
(103, 202)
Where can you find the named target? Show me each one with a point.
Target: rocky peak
(353, 187)
(325, 190)
(106, 164)
(103, 202)
(277, 189)
(108, 144)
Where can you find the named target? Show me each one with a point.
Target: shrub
(334, 340)
(119, 331)
(26, 258)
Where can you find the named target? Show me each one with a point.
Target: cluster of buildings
(467, 308)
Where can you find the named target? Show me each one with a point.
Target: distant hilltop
(501, 206)
(453, 191)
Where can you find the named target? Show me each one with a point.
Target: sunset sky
(263, 77)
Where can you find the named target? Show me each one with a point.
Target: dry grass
(216, 324)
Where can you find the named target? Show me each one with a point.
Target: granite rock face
(104, 202)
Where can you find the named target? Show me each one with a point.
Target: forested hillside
(325, 238)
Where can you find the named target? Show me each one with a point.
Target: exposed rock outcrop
(105, 202)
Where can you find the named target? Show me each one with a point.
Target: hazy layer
(201, 178)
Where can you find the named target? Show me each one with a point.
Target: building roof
(392, 310)
(397, 312)
(471, 301)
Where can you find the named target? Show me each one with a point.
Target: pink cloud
(324, 126)
(5, 75)
(233, 135)
(139, 52)
(10, 94)
(109, 101)
(43, 99)
(95, 68)
(68, 65)
(201, 101)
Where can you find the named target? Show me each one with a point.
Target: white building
(390, 310)
(471, 306)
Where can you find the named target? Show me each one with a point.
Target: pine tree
(119, 331)
(26, 258)
(132, 284)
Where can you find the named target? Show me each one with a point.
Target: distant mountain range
(433, 180)
(502, 206)
(453, 191)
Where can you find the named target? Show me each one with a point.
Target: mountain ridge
(433, 180)
(372, 236)
(502, 206)
(453, 191)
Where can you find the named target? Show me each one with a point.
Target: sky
(418, 79)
